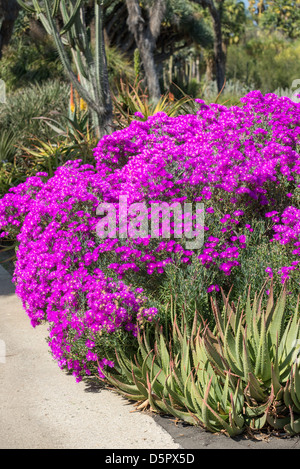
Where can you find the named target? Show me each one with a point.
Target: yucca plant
(260, 346)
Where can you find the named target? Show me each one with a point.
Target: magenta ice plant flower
(232, 160)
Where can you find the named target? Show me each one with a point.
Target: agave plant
(260, 347)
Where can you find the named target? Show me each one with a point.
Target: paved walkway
(41, 407)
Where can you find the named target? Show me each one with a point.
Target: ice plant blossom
(242, 162)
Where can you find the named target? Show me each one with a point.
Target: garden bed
(200, 323)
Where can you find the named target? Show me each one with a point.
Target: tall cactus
(89, 59)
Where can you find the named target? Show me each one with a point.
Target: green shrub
(252, 61)
(23, 108)
(20, 123)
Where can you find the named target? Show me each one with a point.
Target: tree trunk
(209, 68)
(220, 57)
(9, 10)
(145, 36)
(150, 70)
(218, 49)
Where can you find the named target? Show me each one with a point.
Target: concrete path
(41, 407)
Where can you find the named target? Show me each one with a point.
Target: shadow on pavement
(94, 385)
(6, 272)
(190, 437)
(6, 284)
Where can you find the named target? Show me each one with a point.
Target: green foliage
(261, 347)
(186, 289)
(25, 105)
(30, 57)
(73, 43)
(259, 255)
(133, 99)
(25, 62)
(252, 61)
(11, 175)
(137, 65)
(283, 16)
(233, 17)
(165, 379)
(119, 67)
(173, 376)
(74, 141)
(43, 136)
(7, 146)
(189, 18)
(20, 123)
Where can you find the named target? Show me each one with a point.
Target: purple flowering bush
(242, 163)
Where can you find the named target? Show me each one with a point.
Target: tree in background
(9, 10)
(268, 55)
(184, 33)
(233, 18)
(215, 12)
(185, 43)
(282, 16)
(256, 8)
(145, 32)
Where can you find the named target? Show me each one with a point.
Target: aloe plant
(243, 373)
(89, 59)
(260, 346)
(143, 378)
(176, 378)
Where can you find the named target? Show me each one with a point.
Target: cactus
(137, 64)
(89, 60)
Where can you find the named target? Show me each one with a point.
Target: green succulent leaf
(181, 415)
